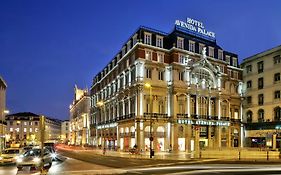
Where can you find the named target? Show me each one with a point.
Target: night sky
(46, 47)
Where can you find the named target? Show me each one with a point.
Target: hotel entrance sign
(196, 28)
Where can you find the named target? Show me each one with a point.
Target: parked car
(9, 155)
(33, 159)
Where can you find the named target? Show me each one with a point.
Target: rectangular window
(123, 53)
(249, 100)
(148, 73)
(220, 54)
(249, 84)
(260, 98)
(161, 75)
(276, 77)
(159, 41)
(201, 46)
(260, 67)
(260, 83)
(191, 47)
(181, 58)
(249, 68)
(277, 94)
(277, 59)
(234, 61)
(181, 76)
(180, 42)
(148, 55)
(30, 129)
(227, 59)
(160, 57)
(211, 52)
(147, 38)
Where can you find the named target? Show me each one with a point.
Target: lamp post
(100, 104)
(150, 124)
(4, 113)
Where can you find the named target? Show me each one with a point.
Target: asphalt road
(79, 162)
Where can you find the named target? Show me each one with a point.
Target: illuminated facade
(65, 131)
(3, 124)
(262, 104)
(24, 128)
(178, 88)
(79, 117)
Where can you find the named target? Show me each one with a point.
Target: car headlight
(1, 158)
(36, 159)
(19, 160)
(53, 155)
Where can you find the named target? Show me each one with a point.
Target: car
(9, 155)
(33, 159)
(53, 152)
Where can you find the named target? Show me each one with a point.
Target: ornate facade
(79, 117)
(167, 91)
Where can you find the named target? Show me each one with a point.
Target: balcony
(182, 115)
(154, 115)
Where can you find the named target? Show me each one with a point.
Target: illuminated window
(30, 129)
(24, 129)
(227, 59)
(180, 44)
(148, 73)
(25, 123)
(11, 129)
(234, 61)
(220, 54)
(181, 58)
(147, 38)
(160, 57)
(36, 129)
(211, 52)
(191, 47)
(201, 46)
(159, 41)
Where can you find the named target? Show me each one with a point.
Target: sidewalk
(143, 155)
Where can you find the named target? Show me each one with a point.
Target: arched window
(277, 113)
(203, 78)
(260, 115)
(249, 116)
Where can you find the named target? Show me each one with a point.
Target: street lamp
(147, 85)
(100, 105)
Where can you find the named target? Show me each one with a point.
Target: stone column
(210, 139)
(188, 136)
(84, 134)
(196, 142)
(188, 105)
(229, 140)
(274, 141)
(218, 136)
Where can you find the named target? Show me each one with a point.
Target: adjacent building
(65, 132)
(80, 117)
(177, 90)
(262, 104)
(24, 128)
(3, 111)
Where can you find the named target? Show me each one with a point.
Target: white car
(32, 158)
(9, 155)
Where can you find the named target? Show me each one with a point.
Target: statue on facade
(204, 52)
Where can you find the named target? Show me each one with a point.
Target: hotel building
(79, 117)
(24, 128)
(262, 105)
(175, 90)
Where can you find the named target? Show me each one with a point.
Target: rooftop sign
(196, 28)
